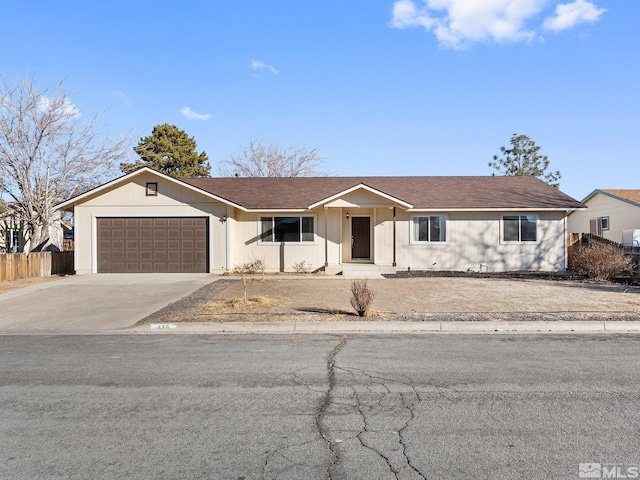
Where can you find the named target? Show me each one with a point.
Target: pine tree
(171, 151)
(523, 159)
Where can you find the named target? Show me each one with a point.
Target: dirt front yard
(410, 299)
(7, 286)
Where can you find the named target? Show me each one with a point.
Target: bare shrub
(361, 297)
(301, 267)
(600, 262)
(255, 265)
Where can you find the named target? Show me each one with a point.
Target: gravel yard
(411, 299)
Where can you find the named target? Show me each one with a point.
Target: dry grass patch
(258, 304)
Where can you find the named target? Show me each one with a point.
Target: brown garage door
(144, 245)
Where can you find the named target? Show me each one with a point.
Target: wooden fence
(15, 266)
(575, 240)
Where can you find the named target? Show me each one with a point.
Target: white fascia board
(491, 209)
(276, 210)
(128, 176)
(364, 187)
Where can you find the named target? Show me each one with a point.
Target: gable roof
(70, 203)
(624, 195)
(413, 193)
(418, 193)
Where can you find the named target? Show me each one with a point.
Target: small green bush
(600, 262)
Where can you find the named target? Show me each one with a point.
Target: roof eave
(610, 195)
(72, 202)
(497, 209)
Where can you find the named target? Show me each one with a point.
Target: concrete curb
(356, 327)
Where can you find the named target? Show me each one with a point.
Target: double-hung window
(287, 229)
(431, 228)
(13, 240)
(519, 228)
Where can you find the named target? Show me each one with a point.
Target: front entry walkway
(361, 270)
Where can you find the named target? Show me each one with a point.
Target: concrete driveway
(92, 303)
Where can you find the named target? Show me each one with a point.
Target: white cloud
(259, 65)
(68, 108)
(191, 115)
(121, 97)
(458, 23)
(568, 15)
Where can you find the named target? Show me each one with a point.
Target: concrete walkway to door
(92, 303)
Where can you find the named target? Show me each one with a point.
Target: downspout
(394, 237)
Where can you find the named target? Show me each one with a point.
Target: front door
(360, 238)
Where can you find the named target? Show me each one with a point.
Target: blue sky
(383, 87)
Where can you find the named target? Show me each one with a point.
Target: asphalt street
(318, 407)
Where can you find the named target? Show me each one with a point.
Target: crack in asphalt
(270, 469)
(365, 429)
(407, 404)
(292, 463)
(326, 401)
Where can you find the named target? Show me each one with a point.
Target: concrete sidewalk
(360, 327)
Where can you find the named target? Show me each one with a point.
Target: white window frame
(413, 241)
(519, 242)
(13, 239)
(274, 242)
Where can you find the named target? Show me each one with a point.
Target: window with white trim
(598, 224)
(287, 229)
(432, 228)
(519, 228)
(13, 240)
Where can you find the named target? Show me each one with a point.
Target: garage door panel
(152, 245)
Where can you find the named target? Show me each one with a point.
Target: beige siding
(359, 198)
(130, 200)
(473, 239)
(383, 238)
(283, 256)
(622, 216)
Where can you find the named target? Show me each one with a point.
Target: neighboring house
(148, 222)
(14, 234)
(609, 213)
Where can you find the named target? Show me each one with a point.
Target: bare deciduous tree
(269, 160)
(47, 154)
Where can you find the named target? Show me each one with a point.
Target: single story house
(14, 232)
(146, 221)
(609, 212)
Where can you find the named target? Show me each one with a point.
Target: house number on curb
(163, 326)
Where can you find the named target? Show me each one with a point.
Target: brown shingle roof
(421, 192)
(631, 195)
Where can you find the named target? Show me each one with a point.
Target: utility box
(631, 238)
